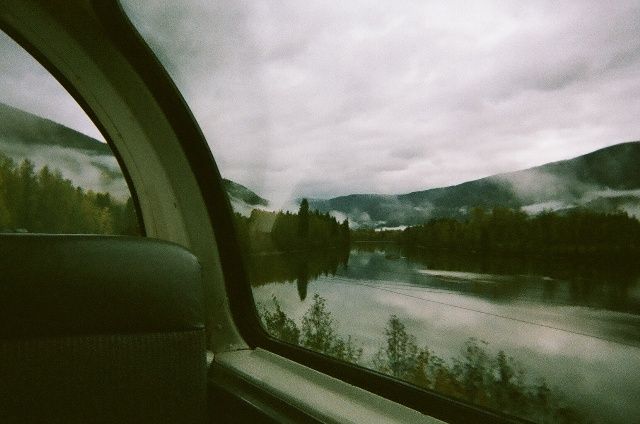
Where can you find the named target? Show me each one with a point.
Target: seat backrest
(100, 329)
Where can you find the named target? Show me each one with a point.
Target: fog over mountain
(606, 180)
(87, 162)
(242, 199)
(324, 99)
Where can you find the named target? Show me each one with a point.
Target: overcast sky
(25, 84)
(324, 98)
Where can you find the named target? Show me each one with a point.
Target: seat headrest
(70, 285)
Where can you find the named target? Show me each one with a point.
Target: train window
(447, 194)
(57, 174)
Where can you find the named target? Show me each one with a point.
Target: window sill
(324, 398)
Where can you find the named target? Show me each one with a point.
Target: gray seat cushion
(100, 329)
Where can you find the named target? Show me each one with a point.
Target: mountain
(18, 126)
(87, 162)
(242, 199)
(605, 180)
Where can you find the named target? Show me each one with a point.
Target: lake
(573, 322)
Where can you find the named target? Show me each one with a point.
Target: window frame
(29, 49)
(242, 304)
(242, 307)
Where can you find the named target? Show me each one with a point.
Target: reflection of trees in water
(372, 247)
(596, 281)
(476, 375)
(589, 280)
(303, 279)
(298, 267)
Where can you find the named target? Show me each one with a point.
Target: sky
(27, 85)
(327, 98)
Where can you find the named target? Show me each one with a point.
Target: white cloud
(320, 99)
(100, 173)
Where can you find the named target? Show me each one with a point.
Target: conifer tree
(303, 219)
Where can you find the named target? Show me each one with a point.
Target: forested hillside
(607, 180)
(72, 182)
(265, 231)
(42, 200)
(580, 231)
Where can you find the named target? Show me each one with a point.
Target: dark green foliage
(476, 376)
(279, 325)
(507, 230)
(44, 202)
(371, 235)
(265, 231)
(317, 331)
(399, 357)
(317, 327)
(128, 220)
(301, 266)
(344, 231)
(319, 334)
(303, 220)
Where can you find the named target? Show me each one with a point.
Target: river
(575, 323)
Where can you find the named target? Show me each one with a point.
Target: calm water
(576, 323)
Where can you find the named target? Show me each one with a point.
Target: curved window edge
(242, 305)
(71, 90)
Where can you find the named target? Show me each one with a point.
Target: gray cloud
(329, 98)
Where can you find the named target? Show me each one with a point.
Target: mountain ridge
(605, 180)
(87, 162)
(559, 185)
(25, 127)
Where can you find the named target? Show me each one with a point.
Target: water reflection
(299, 267)
(604, 282)
(575, 323)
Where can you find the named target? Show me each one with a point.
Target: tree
(399, 356)
(473, 370)
(475, 376)
(25, 195)
(44, 201)
(317, 327)
(346, 234)
(279, 325)
(303, 219)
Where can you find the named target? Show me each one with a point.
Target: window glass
(57, 174)
(445, 192)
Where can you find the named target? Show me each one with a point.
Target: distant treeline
(371, 235)
(507, 230)
(43, 201)
(265, 231)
